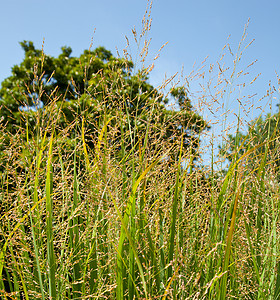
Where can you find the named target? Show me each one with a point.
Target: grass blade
(49, 229)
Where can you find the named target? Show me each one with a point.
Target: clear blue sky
(194, 30)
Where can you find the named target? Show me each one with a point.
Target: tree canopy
(89, 87)
(261, 142)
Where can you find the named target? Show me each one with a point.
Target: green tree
(261, 139)
(89, 87)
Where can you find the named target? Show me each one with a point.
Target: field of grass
(119, 221)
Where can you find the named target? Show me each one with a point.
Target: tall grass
(82, 223)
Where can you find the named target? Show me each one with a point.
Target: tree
(260, 142)
(89, 87)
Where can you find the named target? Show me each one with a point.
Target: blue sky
(193, 30)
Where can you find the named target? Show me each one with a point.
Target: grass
(79, 223)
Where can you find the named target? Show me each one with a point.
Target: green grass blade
(223, 286)
(49, 229)
(174, 215)
(74, 235)
(138, 262)
(277, 285)
(4, 248)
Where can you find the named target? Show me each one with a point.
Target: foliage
(91, 86)
(262, 139)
